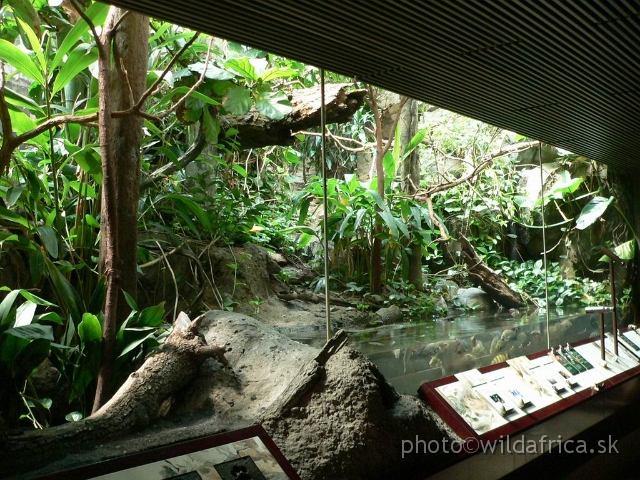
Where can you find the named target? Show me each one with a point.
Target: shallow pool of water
(409, 354)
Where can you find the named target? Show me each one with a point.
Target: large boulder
(350, 426)
(476, 299)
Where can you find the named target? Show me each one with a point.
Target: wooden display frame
(440, 405)
(167, 452)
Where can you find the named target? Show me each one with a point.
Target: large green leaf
(25, 313)
(152, 316)
(274, 105)
(274, 73)
(32, 331)
(49, 239)
(193, 208)
(84, 188)
(592, 211)
(99, 294)
(6, 214)
(212, 72)
(564, 184)
(390, 220)
(180, 91)
(132, 344)
(30, 357)
(625, 251)
(389, 165)
(359, 216)
(237, 101)
(10, 348)
(15, 57)
(211, 127)
(18, 100)
(243, 67)
(97, 13)
(67, 296)
(89, 329)
(21, 123)
(35, 45)
(36, 265)
(6, 306)
(78, 60)
(131, 302)
(25, 10)
(415, 141)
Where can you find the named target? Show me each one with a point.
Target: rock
(262, 362)
(279, 259)
(351, 425)
(476, 298)
(377, 298)
(440, 302)
(391, 314)
(448, 289)
(352, 430)
(530, 155)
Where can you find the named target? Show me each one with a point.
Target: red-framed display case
(493, 402)
(194, 459)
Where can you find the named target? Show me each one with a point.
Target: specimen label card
(471, 406)
(542, 392)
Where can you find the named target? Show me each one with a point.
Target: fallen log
(143, 397)
(255, 130)
(485, 278)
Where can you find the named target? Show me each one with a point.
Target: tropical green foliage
(50, 197)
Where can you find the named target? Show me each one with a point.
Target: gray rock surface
(391, 314)
(476, 298)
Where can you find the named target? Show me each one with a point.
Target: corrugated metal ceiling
(564, 72)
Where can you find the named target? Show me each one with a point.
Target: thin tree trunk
(381, 150)
(120, 138)
(411, 182)
(129, 78)
(109, 214)
(376, 254)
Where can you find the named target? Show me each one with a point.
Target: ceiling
(564, 72)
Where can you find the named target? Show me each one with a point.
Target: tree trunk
(381, 151)
(376, 254)
(411, 182)
(120, 138)
(128, 83)
(108, 215)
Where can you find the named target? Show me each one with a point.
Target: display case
(494, 401)
(248, 454)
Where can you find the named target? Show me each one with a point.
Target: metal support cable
(325, 221)
(544, 246)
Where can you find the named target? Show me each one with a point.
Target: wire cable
(544, 247)
(325, 203)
